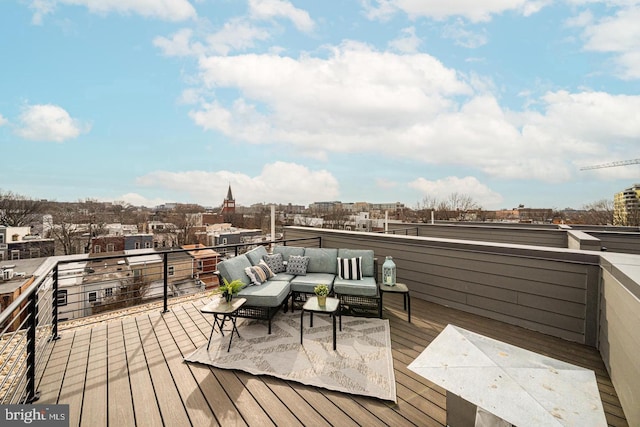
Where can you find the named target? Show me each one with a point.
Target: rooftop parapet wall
(550, 290)
(619, 335)
(543, 235)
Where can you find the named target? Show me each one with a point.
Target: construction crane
(612, 164)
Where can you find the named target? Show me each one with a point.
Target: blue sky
(150, 102)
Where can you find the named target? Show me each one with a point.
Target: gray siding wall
(619, 338)
(549, 236)
(554, 291)
(625, 242)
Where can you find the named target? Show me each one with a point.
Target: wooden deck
(130, 372)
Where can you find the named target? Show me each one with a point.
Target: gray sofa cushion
(271, 293)
(287, 251)
(255, 255)
(367, 259)
(365, 287)
(311, 280)
(233, 268)
(322, 260)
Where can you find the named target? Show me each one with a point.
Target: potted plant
(229, 289)
(321, 292)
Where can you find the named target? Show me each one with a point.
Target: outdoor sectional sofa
(354, 283)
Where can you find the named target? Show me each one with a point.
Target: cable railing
(89, 289)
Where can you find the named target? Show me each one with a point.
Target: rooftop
(130, 370)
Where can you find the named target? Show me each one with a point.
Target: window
(224, 240)
(171, 270)
(97, 249)
(108, 292)
(200, 265)
(147, 245)
(111, 247)
(137, 245)
(34, 253)
(1, 238)
(93, 296)
(61, 297)
(15, 254)
(137, 272)
(155, 244)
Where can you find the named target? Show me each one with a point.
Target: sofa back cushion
(367, 259)
(255, 255)
(287, 251)
(322, 260)
(234, 268)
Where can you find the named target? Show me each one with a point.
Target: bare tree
(599, 212)
(17, 210)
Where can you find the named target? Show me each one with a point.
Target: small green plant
(321, 290)
(229, 289)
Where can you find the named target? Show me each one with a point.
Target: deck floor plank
(73, 385)
(169, 400)
(145, 404)
(120, 399)
(195, 403)
(94, 405)
(50, 384)
(146, 367)
(183, 329)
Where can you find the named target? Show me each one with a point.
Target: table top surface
(398, 287)
(220, 306)
(517, 385)
(312, 305)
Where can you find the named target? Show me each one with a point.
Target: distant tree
(19, 211)
(456, 206)
(599, 212)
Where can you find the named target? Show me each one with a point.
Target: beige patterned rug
(362, 363)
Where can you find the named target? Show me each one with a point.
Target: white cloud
(470, 186)
(359, 100)
(473, 10)
(408, 42)
(316, 104)
(618, 34)
(168, 10)
(268, 9)
(278, 182)
(179, 44)
(464, 37)
(3, 120)
(136, 199)
(48, 123)
(236, 35)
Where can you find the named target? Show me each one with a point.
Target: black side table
(222, 311)
(331, 308)
(399, 288)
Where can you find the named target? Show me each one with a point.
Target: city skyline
(296, 102)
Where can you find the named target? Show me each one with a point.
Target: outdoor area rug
(362, 363)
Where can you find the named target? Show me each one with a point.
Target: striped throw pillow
(259, 273)
(350, 268)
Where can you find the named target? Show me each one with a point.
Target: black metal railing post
(165, 293)
(54, 304)
(32, 326)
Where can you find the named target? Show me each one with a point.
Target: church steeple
(229, 204)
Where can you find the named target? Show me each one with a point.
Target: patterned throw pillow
(259, 273)
(275, 263)
(297, 265)
(350, 268)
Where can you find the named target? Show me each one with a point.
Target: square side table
(331, 308)
(399, 288)
(222, 311)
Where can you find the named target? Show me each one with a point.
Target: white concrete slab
(522, 387)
